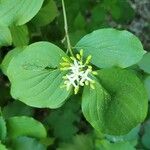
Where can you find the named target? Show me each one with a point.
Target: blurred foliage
(63, 122)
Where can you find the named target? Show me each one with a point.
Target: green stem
(66, 29)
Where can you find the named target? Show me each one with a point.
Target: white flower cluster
(79, 73)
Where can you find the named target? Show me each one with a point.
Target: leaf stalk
(66, 29)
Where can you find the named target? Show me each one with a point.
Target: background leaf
(106, 145)
(2, 147)
(18, 12)
(20, 35)
(11, 54)
(147, 85)
(80, 142)
(16, 108)
(79, 22)
(121, 11)
(47, 14)
(26, 143)
(5, 36)
(25, 126)
(144, 64)
(3, 130)
(66, 116)
(131, 137)
(145, 137)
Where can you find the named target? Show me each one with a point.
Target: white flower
(79, 74)
(85, 77)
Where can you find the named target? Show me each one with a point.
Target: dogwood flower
(79, 72)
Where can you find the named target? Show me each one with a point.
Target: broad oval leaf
(3, 130)
(5, 36)
(147, 85)
(79, 142)
(121, 11)
(111, 47)
(18, 12)
(2, 147)
(144, 64)
(46, 15)
(26, 143)
(8, 58)
(120, 111)
(146, 135)
(35, 76)
(20, 35)
(16, 108)
(133, 135)
(107, 145)
(94, 102)
(25, 126)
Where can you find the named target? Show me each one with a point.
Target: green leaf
(20, 35)
(100, 21)
(106, 145)
(66, 116)
(80, 142)
(145, 137)
(4, 93)
(79, 22)
(147, 85)
(2, 147)
(46, 15)
(132, 136)
(11, 54)
(144, 64)
(123, 109)
(26, 143)
(98, 9)
(35, 77)
(5, 36)
(48, 141)
(3, 130)
(16, 108)
(25, 126)
(94, 102)
(129, 102)
(121, 11)
(111, 47)
(18, 12)
(75, 36)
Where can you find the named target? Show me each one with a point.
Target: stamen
(72, 58)
(76, 90)
(64, 64)
(81, 52)
(86, 82)
(92, 86)
(78, 56)
(94, 73)
(65, 59)
(88, 59)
